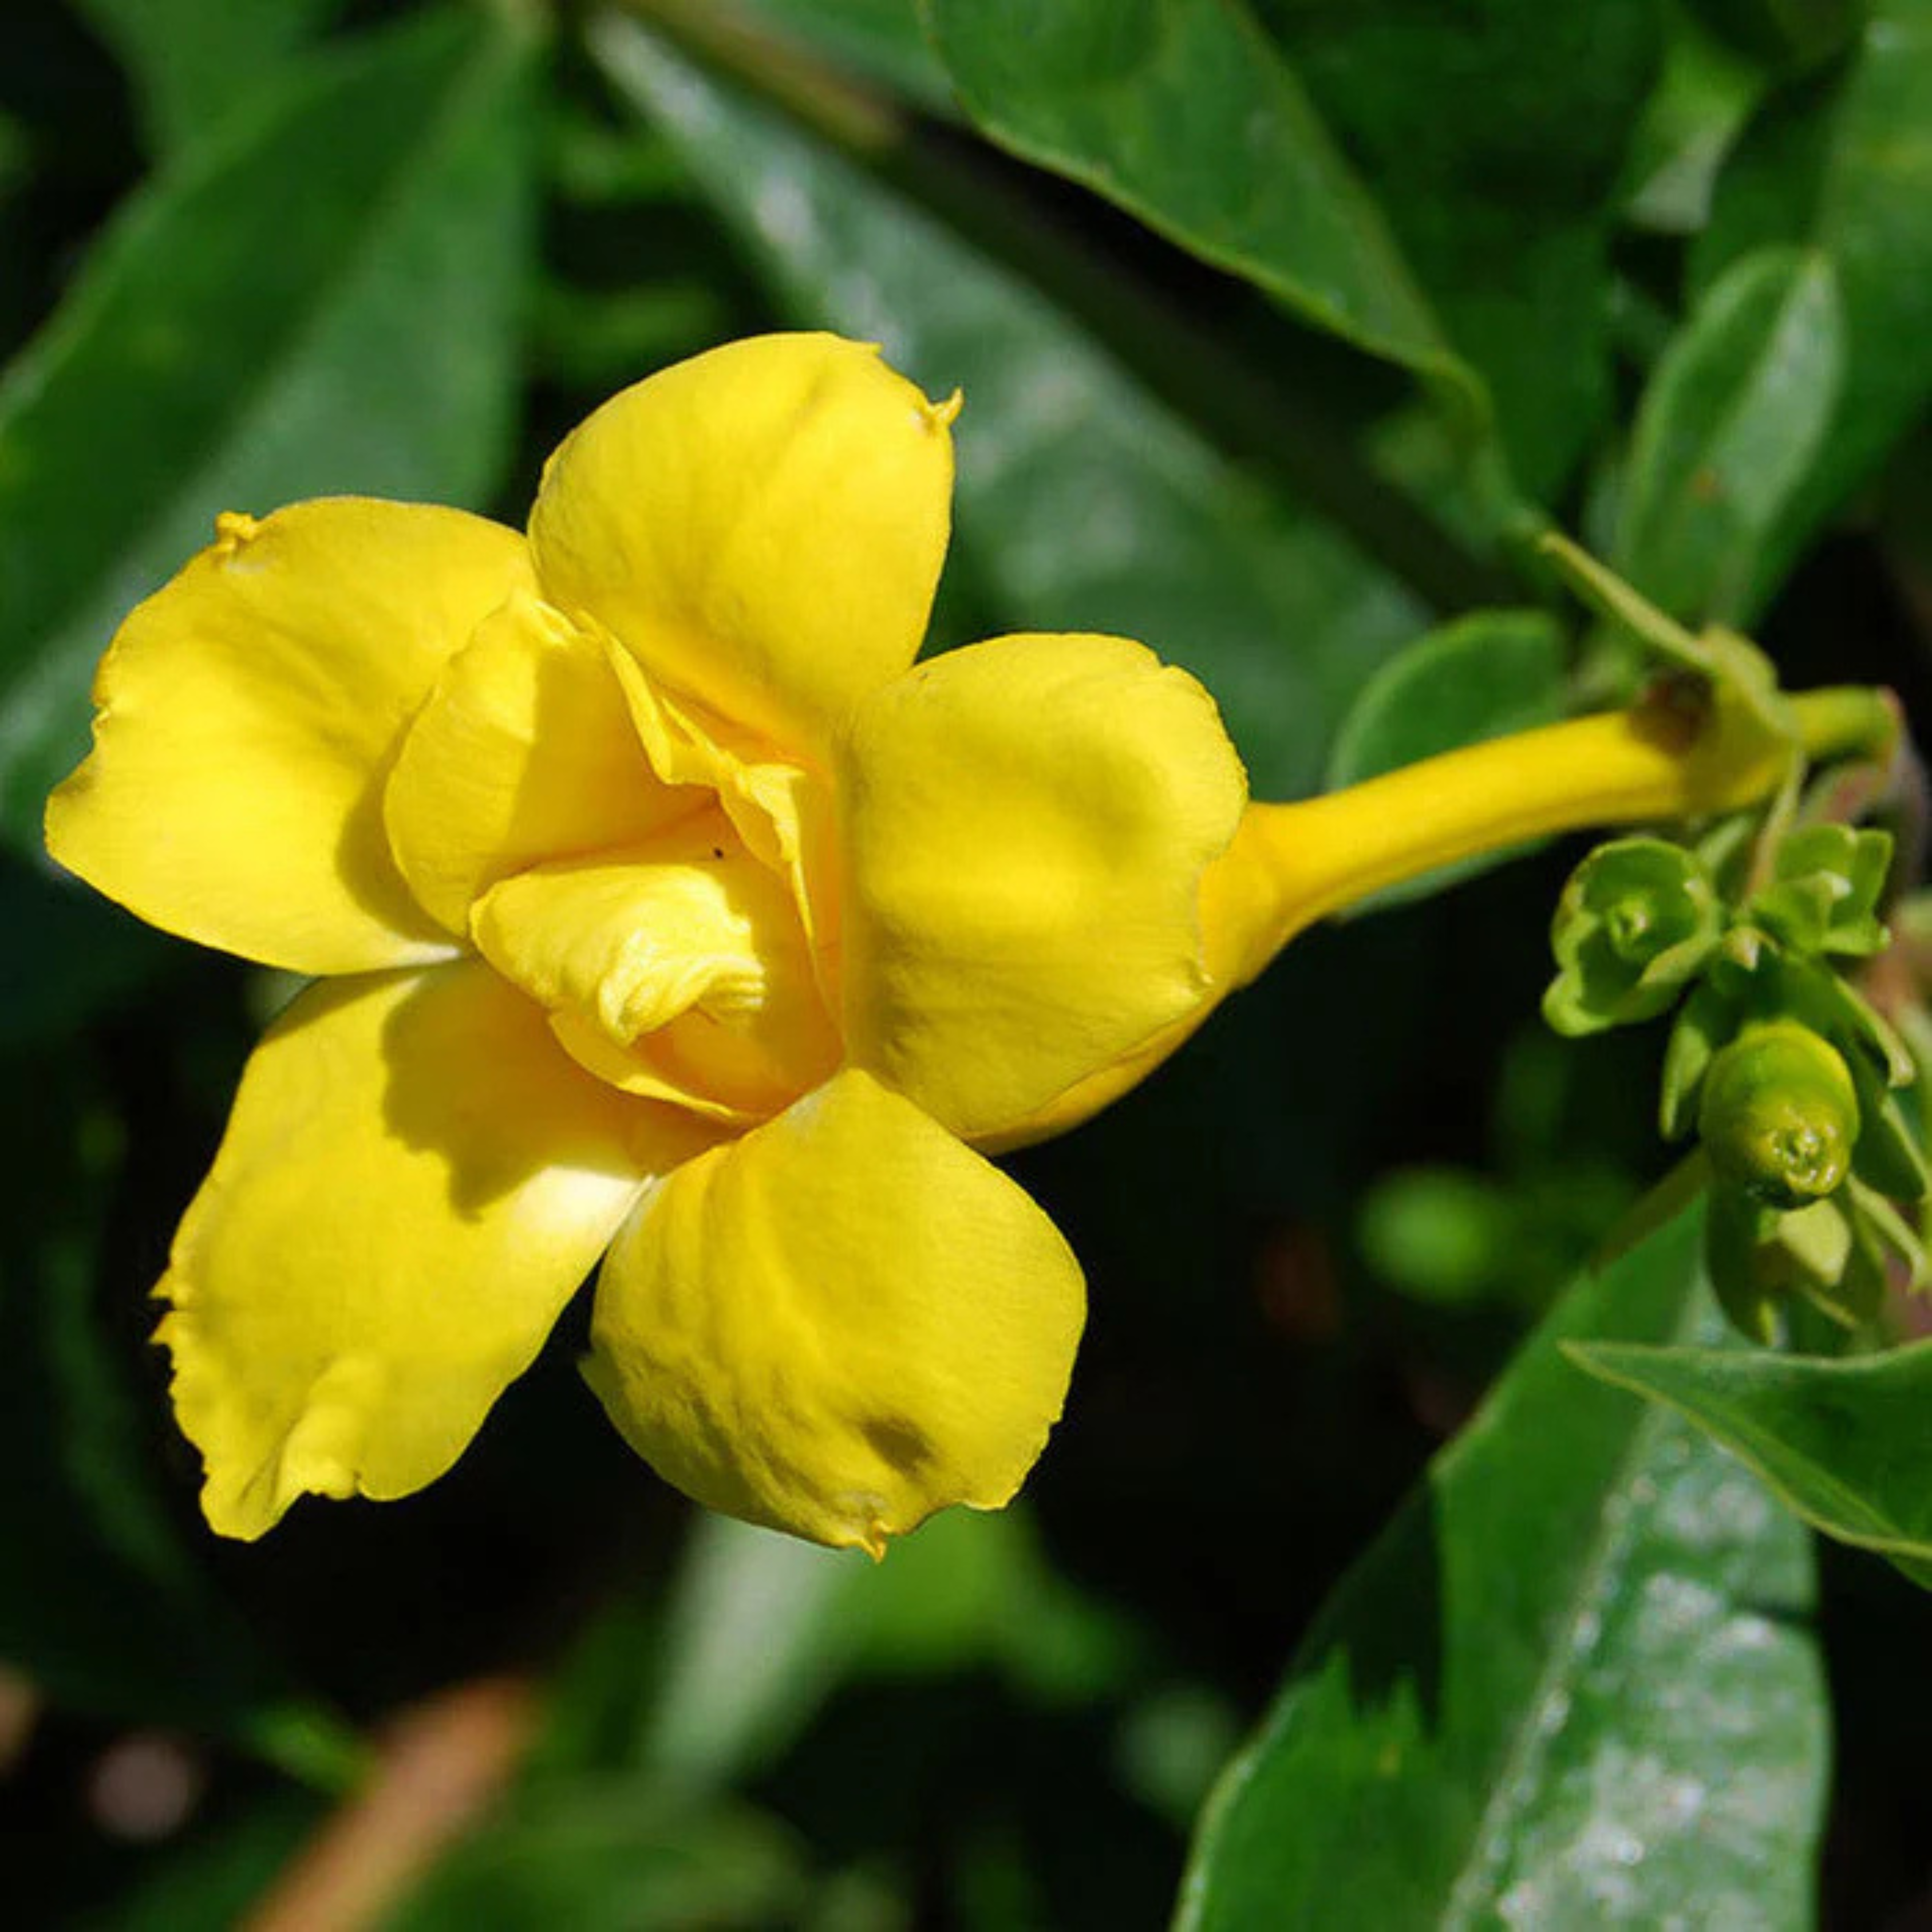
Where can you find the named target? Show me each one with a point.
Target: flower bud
(1824, 895)
(1635, 924)
(1780, 1116)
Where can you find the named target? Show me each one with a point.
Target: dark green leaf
(610, 1855)
(78, 953)
(1727, 432)
(1846, 1443)
(1493, 135)
(1082, 504)
(1570, 1685)
(1839, 164)
(104, 1603)
(192, 60)
(325, 300)
(1184, 112)
(1786, 35)
(882, 40)
(1433, 186)
(1490, 672)
(214, 1878)
(759, 1629)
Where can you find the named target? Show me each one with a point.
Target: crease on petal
(838, 1324)
(413, 1182)
(247, 714)
(524, 750)
(784, 813)
(761, 527)
(1027, 826)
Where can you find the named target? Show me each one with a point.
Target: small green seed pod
(1779, 1116)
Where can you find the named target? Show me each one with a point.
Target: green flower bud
(1638, 918)
(1779, 1115)
(1825, 885)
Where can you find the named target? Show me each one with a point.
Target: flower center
(677, 970)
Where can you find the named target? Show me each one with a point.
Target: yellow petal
(414, 1181)
(685, 955)
(839, 1324)
(782, 811)
(524, 751)
(761, 527)
(247, 711)
(1026, 824)
(1240, 897)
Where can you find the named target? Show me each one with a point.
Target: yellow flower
(668, 912)
(666, 908)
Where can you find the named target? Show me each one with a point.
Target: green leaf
(759, 1629)
(1082, 504)
(191, 61)
(1435, 186)
(1706, 1020)
(611, 1855)
(1786, 35)
(1733, 418)
(881, 40)
(1184, 113)
(1494, 136)
(1480, 676)
(1840, 164)
(218, 354)
(104, 1604)
(752, 1644)
(1570, 1685)
(1702, 96)
(215, 1876)
(1846, 1444)
(77, 953)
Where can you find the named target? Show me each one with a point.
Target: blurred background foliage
(1278, 322)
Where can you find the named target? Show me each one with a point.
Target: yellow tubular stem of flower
(1291, 865)
(1294, 864)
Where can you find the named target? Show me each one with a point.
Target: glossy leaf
(1846, 1443)
(219, 355)
(1184, 113)
(1494, 136)
(1570, 1685)
(1837, 163)
(1735, 416)
(1492, 672)
(1434, 187)
(190, 61)
(1082, 504)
